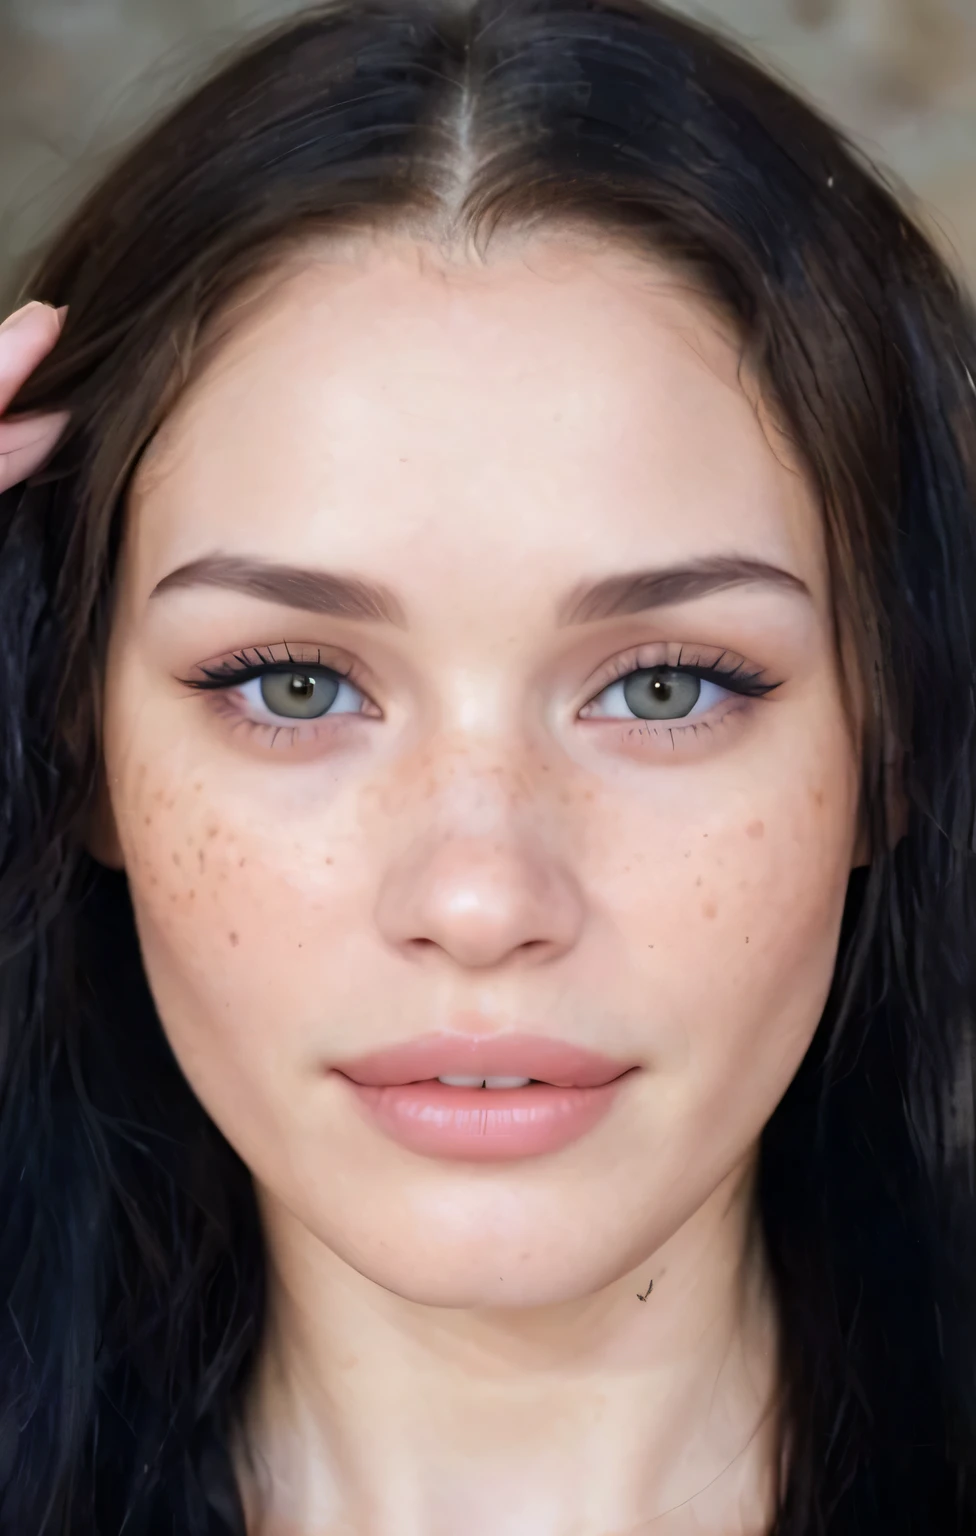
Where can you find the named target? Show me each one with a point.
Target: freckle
(330, 861)
(234, 940)
(176, 859)
(709, 910)
(192, 895)
(153, 879)
(699, 880)
(212, 831)
(198, 786)
(818, 798)
(201, 860)
(147, 820)
(688, 854)
(747, 938)
(755, 829)
(241, 863)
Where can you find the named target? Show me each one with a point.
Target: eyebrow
(344, 597)
(636, 591)
(351, 597)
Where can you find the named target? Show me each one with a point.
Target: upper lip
(507, 1055)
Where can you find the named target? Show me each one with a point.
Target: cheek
(730, 900)
(240, 917)
(732, 915)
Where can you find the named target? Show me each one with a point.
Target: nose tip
(481, 904)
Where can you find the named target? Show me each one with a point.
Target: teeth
(486, 1082)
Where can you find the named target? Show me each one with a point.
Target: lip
(506, 1055)
(397, 1091)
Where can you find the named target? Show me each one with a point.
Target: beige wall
(76, 75)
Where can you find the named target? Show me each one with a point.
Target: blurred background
(77, 76)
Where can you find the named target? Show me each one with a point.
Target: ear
(102, 834)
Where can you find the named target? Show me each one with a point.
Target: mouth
(504, 1061)
(491, 1099)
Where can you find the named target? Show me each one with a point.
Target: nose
(481, 900)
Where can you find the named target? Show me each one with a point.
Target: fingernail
(20, 315)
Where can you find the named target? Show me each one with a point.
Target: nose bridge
(480, 789)
(478, 874)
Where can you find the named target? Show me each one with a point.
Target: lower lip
(485, 1125)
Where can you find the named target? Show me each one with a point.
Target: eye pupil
(661, 693)
(299, 695)
(301, 687)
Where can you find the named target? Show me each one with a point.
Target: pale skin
(26, 441)
(484, 837)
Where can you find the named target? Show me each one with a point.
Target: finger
(26, 337)
(25, 444)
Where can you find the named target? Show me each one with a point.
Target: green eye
(299, 695)
(661, 693)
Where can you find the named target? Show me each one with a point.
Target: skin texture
(455, 1346)
(26, 337)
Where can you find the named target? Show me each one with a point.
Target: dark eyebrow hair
(350, 597)
(345, 597)
(635, 591)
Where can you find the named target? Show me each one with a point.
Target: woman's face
(579, 768)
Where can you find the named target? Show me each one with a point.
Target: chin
(483, 1270)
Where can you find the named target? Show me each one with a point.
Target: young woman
(486, 886)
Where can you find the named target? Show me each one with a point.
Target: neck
(603, 1413)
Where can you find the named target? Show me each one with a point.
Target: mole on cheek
(755, 829)
(234, 940)
(709, 910)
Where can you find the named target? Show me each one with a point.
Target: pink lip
(398, 1091)
(510, 1055)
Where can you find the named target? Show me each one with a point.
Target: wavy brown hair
(131, 1261)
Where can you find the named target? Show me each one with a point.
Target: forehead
(561, 401)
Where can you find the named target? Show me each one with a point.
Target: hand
(26, 337)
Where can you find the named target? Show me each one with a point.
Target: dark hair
(131, 1260)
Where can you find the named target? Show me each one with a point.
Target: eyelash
(237, 670)
(737, 678)
(254, 662)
